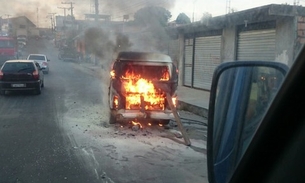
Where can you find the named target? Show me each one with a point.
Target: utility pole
(37, 17)
(96, 10)
(64, 10)
(194, 1)
(65, 16)
(228, 6)
(96, 21)
(51, 15)
(71, 6)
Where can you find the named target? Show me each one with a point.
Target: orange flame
(112, 74)
(140, 92)
(174, 99)
(130, 75)
(137, 123)
(165, 75)
(115, 102)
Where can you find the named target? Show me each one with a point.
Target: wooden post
(178, 120)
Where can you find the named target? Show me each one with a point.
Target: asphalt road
(33, 145)
(63, 135)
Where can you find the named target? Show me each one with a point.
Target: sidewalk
(189, 99)
(193, 100)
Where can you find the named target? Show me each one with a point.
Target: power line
(71, 6)
(64, 8)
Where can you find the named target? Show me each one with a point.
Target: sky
(39, 11)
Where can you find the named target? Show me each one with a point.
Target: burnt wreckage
(140, 83)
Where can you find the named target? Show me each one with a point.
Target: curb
(193, 109)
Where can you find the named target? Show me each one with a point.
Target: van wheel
(112, 119)
(165, 121)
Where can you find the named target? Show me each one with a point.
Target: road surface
(63, 135)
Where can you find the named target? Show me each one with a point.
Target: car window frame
(272, 144)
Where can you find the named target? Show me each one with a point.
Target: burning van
(139, 84)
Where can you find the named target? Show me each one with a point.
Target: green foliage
(182, 18)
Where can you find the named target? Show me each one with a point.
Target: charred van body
(139, 84)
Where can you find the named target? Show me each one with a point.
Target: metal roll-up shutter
(188, 62)
(256, 45)
(207, 58)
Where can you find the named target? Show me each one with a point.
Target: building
(22, 24)
(267, 33)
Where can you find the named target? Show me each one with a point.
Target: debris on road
(176, 133)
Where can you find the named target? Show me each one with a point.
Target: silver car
(42, 60)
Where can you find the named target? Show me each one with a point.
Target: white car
(42, 60)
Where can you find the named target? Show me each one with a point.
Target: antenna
(296, 2)
(228, 6)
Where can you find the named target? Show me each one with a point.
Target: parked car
(42, 60)
(138, 87)
(16, 75)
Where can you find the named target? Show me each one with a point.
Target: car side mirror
(241, 93)
(48, 60)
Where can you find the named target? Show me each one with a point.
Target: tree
(182, 18)
(152, 16)
(206, 18)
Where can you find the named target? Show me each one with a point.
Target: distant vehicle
(42, 60)
(138, 87)
(8, 49)
(22, 39)
(16, 75)
(20, 42)
(68, 53)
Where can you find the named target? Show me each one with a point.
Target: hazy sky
(117, 8)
